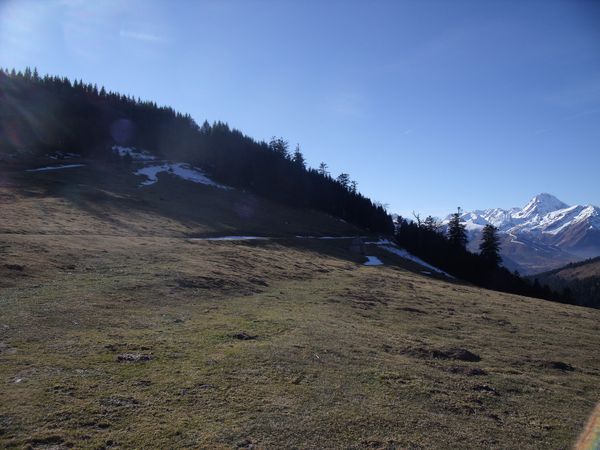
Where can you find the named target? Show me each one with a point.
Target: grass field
(121, 333)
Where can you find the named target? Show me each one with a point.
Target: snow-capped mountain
(546, 233)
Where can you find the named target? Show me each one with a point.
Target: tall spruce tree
(298, 157)
(489, 248)
(457, 233)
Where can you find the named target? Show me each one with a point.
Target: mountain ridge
(544, 225)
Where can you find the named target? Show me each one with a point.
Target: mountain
(545, 234)
(582, 280)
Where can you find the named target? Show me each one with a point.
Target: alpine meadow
(169, 280)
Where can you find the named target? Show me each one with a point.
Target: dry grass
(335, 355)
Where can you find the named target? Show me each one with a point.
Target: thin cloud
(141, 36)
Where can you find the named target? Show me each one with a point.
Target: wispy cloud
(141, 36)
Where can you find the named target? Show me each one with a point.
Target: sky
(428, 105)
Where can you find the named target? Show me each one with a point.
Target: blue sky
(428, 105)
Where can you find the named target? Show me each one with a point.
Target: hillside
(120, 331)
(43, 117)
(582, 279)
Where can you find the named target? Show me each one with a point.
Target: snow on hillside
(181, 170)
(133, 153)
(62, 166)
(373, 261)
(407, 255)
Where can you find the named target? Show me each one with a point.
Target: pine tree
(457, 234)
(298, 157)
(489, 248)
(344, 180)
(280, 147)
(323, 169)
(431, 224)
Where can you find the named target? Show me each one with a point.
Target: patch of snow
(379, 242)
(327, 237)
(64, 166)
(373, 261)
(63, 155)
(135, 154)
(232, 238)
(406, 255)
(183, 171)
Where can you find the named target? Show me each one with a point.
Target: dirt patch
(455, 353)
(412, 310)
(487, 389)
(133, 357)
(557, 365)
(243, 336)
(46, 441)
(468, 371)
(119, 402)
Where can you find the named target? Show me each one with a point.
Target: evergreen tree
(489, 248)
(344, 180)
(431, 224)
(457, 234)
(298, 157)
(280, 147)
(323, 170)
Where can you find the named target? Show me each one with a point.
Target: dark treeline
(448, 252)
(40, 115)
(585, 289)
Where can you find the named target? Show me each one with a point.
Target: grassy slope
(342, 357)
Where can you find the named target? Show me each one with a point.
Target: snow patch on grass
(181, 170)
(232, 238)
(406, 255)
(135, 154)
(373, 261)
(63, 166)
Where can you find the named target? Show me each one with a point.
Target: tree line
(44, 114)
(447, 249)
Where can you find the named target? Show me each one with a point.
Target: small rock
(246, 444)
(243, 336)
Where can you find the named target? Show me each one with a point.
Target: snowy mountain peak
(540, 205)
(544, 229)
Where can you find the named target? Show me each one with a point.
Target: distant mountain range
(545, 234)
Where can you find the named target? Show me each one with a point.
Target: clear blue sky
(428, 105)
